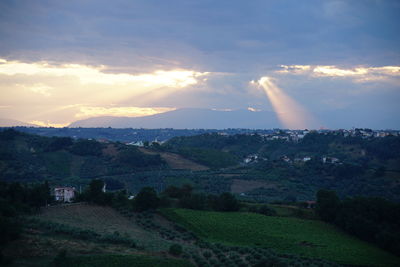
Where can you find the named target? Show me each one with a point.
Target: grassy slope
(289, 235)
(122, 260)
(102, 220)
(104, 260)
(176, 161)
(38, 247)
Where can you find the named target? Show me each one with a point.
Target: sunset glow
(67, 92)
(96, 75)
(86, 112)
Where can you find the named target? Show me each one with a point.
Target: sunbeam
(290, 113)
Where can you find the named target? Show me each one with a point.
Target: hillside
(176, 161)
(151, 229)
(104, 220)
(188, 118)
(25, 157)
(13, 123)
(267, 170)
(313, 239)
(212, 163)
(88, 235)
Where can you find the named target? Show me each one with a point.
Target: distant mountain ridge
(188, 118)
(12, 123)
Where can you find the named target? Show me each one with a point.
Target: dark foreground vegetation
(372, 219)
(242, 201)
(207, 229)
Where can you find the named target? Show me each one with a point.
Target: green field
(122, 261)
(104, 260)
(310, 238)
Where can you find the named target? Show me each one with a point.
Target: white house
(137, 143)
(251, 158)
(330, 160)
(64, 194)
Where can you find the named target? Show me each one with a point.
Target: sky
(315, 64)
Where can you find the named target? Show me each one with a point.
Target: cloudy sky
(333, 64)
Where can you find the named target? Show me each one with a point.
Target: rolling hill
(311, 238)
(12, 123)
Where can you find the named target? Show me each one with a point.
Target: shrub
(146, 199)
(207, 254)
(87, 148)
(175, 249)
(265, 210)
(60, 258)
(225, 202)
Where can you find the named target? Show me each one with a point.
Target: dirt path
(241, 186)
(176, 161)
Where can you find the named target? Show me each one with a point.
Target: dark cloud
(246, 39)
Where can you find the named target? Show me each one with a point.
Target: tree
(95, 193)
(328, 205)
(193, 201)
(265, 210)
(175, 249)
(58, 143)
(146, 199)
(87, 148)
(176, 192)
(39, 195)
(226, 202)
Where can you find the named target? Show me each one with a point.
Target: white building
(330, 160)
(251, 158)
(137, 143)
(64, 194)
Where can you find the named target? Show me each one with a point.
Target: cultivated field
(241, 186)
(176, 161)
(287, 235)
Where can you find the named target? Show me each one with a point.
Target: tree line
(149, 199)
(374, 220)
(17, 199)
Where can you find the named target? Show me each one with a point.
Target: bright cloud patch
(253, 109)
(359, 74)
(95, 75)
(50, 94)
(41, 89)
